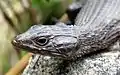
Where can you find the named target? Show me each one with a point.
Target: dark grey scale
(62, 50)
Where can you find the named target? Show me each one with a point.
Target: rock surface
(103, 63)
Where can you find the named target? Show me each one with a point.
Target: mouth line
(50, 53)
(36, 51)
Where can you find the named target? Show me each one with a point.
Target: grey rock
(103, 63)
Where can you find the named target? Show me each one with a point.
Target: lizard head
(49, 40)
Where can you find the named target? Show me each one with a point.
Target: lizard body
(96, 28)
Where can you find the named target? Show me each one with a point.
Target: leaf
(49, 8)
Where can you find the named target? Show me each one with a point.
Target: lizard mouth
(52, 53)
(41, 51)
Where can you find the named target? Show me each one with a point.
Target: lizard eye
(42, 41)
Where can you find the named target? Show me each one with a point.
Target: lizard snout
(16, 41)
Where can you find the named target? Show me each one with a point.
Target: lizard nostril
(14, 42)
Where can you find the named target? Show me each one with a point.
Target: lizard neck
(98, 12)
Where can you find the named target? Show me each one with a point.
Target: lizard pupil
(42, 41)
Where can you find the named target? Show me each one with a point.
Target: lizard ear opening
(42, 41)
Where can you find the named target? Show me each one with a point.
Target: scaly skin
(96, 28)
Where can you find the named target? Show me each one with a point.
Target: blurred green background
(16, 16)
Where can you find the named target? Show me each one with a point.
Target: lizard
(97, 26)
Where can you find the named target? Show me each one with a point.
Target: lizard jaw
(36, 51)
